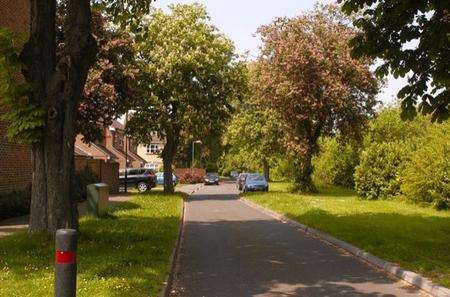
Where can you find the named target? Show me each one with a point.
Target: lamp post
(126, 155)
(193, 151)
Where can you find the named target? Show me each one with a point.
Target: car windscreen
(255, 178)
(211, 175)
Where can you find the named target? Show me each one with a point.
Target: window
(118, 140)
(151, 166)
(153, 149)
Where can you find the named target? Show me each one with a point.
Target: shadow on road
(230, 250)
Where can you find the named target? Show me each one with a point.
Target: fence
(108, 172)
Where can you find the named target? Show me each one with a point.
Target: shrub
(377, 174)
(389, 127)
(14, 204)
(387, 146)
(336, 162)
(191, 177)
(82, 179)
(283, 170)
(426, 177)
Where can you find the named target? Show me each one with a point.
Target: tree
(306, 74)
(253, 135)
(44, 111)
(426, 177)
(192, 73)
(411, 38)
(336, 161)
(387, 146)
(112, 83)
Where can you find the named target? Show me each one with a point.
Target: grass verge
(414, 237)
(125, 254)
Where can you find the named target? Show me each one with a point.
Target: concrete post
(66, 263)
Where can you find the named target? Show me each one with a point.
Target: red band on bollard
(65, 257)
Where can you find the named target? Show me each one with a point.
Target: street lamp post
(193, 151)
(126, 155)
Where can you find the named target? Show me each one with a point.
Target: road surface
(230, 249)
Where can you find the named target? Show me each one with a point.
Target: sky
(240, 19)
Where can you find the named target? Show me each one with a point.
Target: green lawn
(126, 254)
(416, 238)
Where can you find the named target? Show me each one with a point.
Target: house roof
(122, 154)
(104, 150)
(137, 157)
(79, 152)
(117, 125)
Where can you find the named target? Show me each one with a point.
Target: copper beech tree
(306, 73)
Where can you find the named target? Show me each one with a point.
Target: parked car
(241, 180)
(141, 178)
(160, 178)
(234, 175)
(211, 179)
(255, 182)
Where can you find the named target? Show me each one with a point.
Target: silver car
(255, 182)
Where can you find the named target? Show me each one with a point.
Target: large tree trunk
(302, 176)
(266, 169)
(57, 85)
(168, 155)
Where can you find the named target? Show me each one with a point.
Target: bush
(387, 147)
(336, 162)
(14, 204)
(191, 177)
(426, 177)
(81, 180)
(284, 170)
(377, 175)
(389, 127)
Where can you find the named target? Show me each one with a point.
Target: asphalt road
(230, 250)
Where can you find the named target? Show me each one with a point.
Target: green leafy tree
(44, 111)
(377, 175)
(388, 145)
(412, 38)
(193, 74)
(336, 161)
(426, 176)
(306, 74)
(253, 138)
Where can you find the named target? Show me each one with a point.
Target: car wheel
(142, 187)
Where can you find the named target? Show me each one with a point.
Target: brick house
(152, 153)
(15, 164)
(123, 146)
(96, 150)
(15, 158)
(112, 147)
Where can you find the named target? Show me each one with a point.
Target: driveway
(230, 249)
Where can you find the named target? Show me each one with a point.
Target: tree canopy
(112, 83)
(253, 136)
(412, 38)
(306, 74)
(193, 75)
